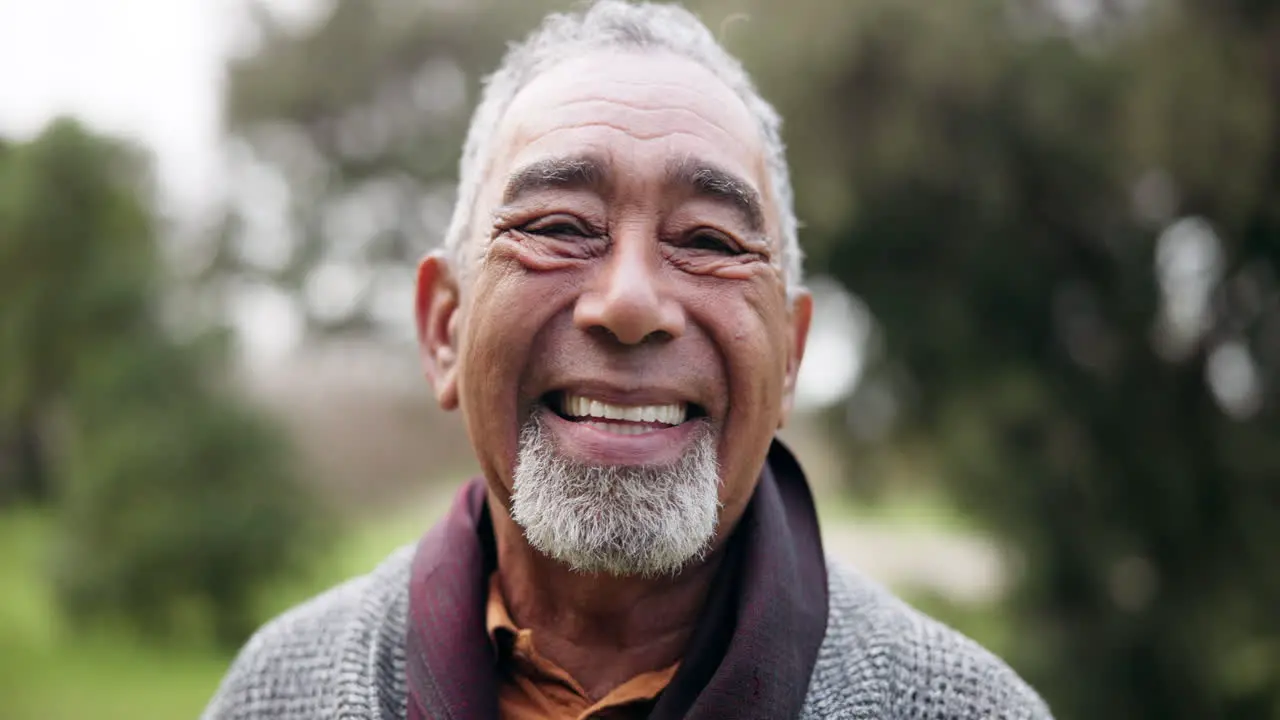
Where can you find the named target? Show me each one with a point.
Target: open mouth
(621, 419)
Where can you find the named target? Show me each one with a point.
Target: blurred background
(1041, 399)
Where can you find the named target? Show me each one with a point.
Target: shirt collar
(769, 601)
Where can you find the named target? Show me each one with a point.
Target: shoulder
(340, 653)
(883, 658)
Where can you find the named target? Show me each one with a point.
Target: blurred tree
(62, 293)
(347, 136)
(1064, 216)
(174, 498)
(1067, 231)
(181, 500)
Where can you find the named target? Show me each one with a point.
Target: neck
(602, 630)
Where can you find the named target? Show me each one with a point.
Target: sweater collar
(751, 656)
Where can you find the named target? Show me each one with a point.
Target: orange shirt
(534, 688)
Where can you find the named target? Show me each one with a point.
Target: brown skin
(626, 285)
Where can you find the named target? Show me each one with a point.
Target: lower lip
(594, 446)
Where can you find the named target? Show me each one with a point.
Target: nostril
(657, 336)
(632, 314)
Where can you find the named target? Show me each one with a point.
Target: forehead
(638, 110)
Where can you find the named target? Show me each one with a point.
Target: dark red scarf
(751, 656)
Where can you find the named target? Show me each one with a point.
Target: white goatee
(645, 520)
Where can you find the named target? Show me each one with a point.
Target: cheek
(751, 336)
(752, 339)
(495, 351)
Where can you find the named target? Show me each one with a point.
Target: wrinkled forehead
(642, 112)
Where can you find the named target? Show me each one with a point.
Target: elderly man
(619, 318)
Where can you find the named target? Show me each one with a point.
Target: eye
(559, 226)
(712, 241)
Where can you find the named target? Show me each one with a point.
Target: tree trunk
(24, 469)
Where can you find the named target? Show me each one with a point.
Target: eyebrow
(556, 173)
(591, 171)
(719, 185)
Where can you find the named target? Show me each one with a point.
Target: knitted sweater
(341, 655)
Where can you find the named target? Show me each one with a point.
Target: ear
(436, 310)
(801, 315)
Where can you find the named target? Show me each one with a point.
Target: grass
(927, 509)
(45, 673)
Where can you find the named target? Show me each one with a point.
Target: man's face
(627, 299)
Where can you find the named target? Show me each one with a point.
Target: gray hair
(619, 25)
(647, 520)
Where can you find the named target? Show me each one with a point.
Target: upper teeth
(578, 406)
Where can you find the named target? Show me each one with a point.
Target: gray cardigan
(341, 655)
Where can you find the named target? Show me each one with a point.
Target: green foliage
(189, 493)
(50, 673)
(76, 265)
(363, 118)
(175, 499)
(1011, 264)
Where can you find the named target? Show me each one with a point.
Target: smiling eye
(558, 226)
(710, 241)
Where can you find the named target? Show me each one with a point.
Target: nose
(628, 299)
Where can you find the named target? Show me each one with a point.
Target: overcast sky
(150, 70)
(146, 69)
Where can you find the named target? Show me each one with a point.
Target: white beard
(646, 520)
